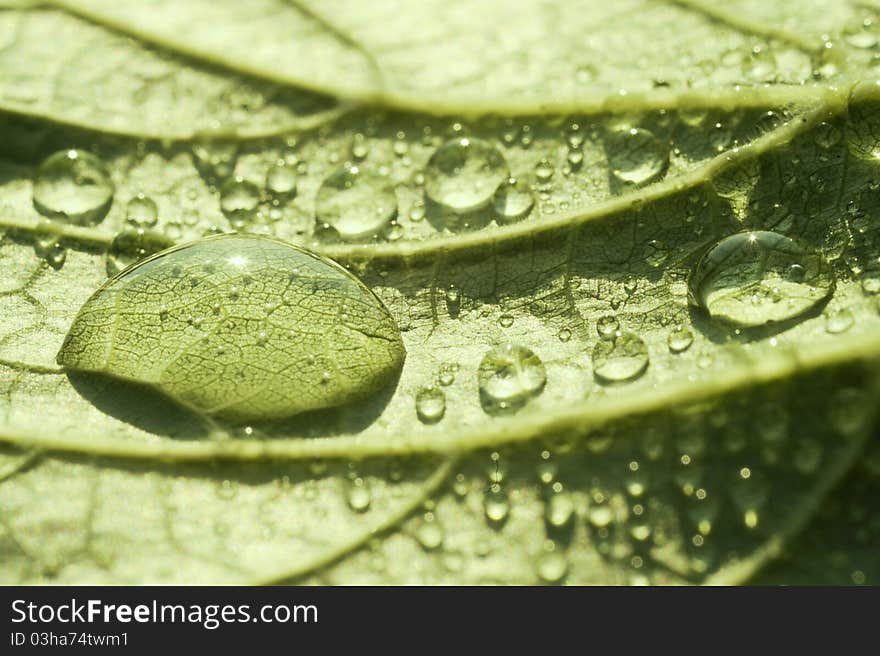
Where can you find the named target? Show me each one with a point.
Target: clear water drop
(496, 506)
(508, 377)
(839, 321)
(754, 278)
(430, 404)
(355, 204)
(621, 359)
(239, 199)
(142, 212)
(358, 495)
(215, 159)
(464, 174)
(513, 202)
(636, 156)
(73, 186)
(559, 511)
(679, 340)
(607, 326)
(130, 246)
(552, 567)
(281, 180)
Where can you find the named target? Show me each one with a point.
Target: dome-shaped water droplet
(607, 326)
(355, 204)
(508, 377)
(496, 505)
(358, 495)
(214, 158)
(430, 404)
(160, 323)
(130, 246)
(621, 359)
(464, 174)
(73, 186)
(281, 179)
(839, 321)
(513, 202)
(679, 340)
(552, 567)
(238, 200)
(753, 278)
(430, 535)
(636, 156)
(142, 212)
(559, 511)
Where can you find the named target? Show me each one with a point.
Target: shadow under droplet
(139, 405)
(345, 419)
(720, 333)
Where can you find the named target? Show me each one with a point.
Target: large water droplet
(74, 186)
(621, 359)
(636, 156)
(464, 174)
(552, 567)
(355, 204)
(243, 327)
(509, 376)
(753, 278)
(281, 180)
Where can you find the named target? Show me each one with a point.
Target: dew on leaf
(215, 158)
(621, 359)
(552, 566)
(559, 510)
(355, 204)
(753, 278)
(358, 495)
(679, 340)
(508, 377)
(120, 331)
(430, 535)
(73, 186)
(607, 326)
(838, 321)
(464, 174)
(142, 212)
(430, 404)
(281, 179)
(130, 246)
(51, 250)
(636, 156)
(513, 201)
(239, 199)
(496, 506)
(453, 300)
(505, 320)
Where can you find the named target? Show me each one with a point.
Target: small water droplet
(621, 359)
(130, 246)
(750, 279)
(679, 340)
(564, 335)
(73, 186)
(496, 505)
(453, 301)
(559, 511)
(238, 201)
(142, 212)
(508, 377)
(505, 320)
(464, 174)
(838, 321)
(552, 567)
(355, 204)
(607, 326)
(636, 156)
(358, 495)
(513, 202)
(430, 535)
(214, 158)
(544, 171)
(281, 180)
(430, 404)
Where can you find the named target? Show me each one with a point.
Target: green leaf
(588, 423)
